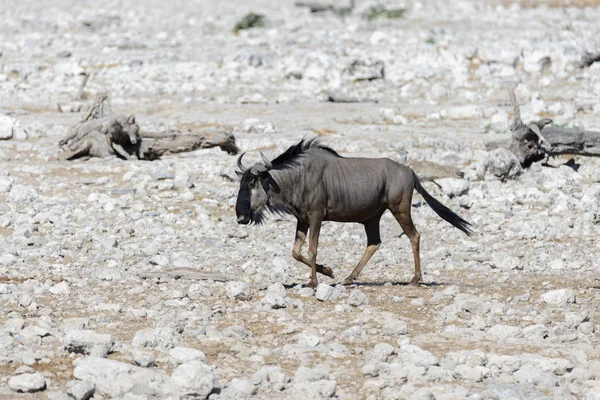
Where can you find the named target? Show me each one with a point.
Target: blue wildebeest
(313, 183)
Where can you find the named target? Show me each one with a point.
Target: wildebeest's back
(356, 188)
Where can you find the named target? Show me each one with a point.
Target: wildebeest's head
(255, 190)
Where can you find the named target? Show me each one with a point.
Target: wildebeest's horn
(266, 160)
(239, 163)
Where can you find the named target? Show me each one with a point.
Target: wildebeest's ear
(239, 173)
(131, 119)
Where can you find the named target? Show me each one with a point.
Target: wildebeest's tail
(441, 210)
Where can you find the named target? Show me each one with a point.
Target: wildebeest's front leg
(315, 221)
(301, 230)
(373, 243)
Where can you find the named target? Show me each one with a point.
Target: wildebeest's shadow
(377, 284)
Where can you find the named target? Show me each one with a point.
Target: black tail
(441, 210)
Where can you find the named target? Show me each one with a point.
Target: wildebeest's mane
(289, 157)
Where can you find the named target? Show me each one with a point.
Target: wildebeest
(314, 183)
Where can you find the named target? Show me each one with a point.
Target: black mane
(289, 157)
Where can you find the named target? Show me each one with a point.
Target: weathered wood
(101, 133)
(154, 146)
(538, 140)
(572, 141)
(315, 7)
(430, 171)
(589, 59)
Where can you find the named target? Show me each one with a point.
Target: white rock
(82, 390)
(505, 331)
(154, 338)
(11, 128)
(327, 292)
(143, 358)
(271, 377)
(255, 125)
(468, 373)
(60, 288)
(238, 290)
(182, 355)
(27, 383)
(20, 194)
(107, 274)
(453, 187)
(394, 327)
(535, 332)
(357, 298)
(413, 355)
(88, 342)
(194, 379)
(502, 164)
(534, 375)
(113, 379)
(5, 184)
(559, 296)
(275, 297)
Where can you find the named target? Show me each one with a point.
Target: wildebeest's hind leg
(301, 229)
(373, 243)
(405, 220)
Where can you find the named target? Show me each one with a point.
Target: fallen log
(101, 133)
(154, 146)
(539, 140)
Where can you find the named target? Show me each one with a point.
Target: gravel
(132, 279)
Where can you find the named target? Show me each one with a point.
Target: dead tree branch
(101, 133)
(538, 140)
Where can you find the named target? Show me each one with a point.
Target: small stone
(25, 299)
(394, 327)
(327, 292)
(534, 375)
(182, 355)
(420, 302)
(468, 373)
(238, 291)
(107, 274)
(453, 187)
(161, 338)
(27, 383)
(143, 358)
(413, 355)
(275, 297)
(194, 379)
(306, 292)
(82, 390)
(308, 339)
(505, 331)
(559, 296)
(502, 164)
(357, 298)
(61, 288)
(88, 342)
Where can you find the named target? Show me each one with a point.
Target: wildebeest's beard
(243, 209)
(246, 211)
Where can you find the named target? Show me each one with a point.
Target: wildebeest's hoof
(348, 281)
(327, 272)
(313, 284)
(415, 282)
